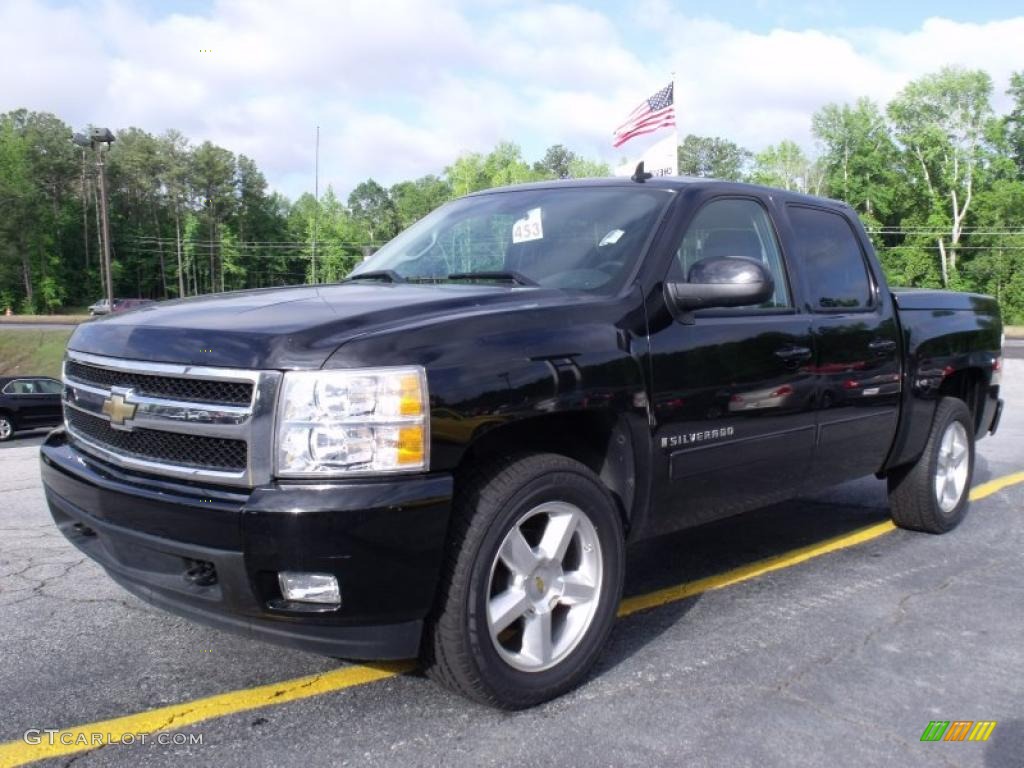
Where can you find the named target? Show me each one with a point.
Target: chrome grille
(195, 422)
(193, 390)
(185, 450)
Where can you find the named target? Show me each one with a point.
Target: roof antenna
(640, 175)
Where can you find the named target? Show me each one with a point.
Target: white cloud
(400, 88)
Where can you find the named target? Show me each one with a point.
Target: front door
(732, 398)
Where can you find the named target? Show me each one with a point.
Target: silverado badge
(689, 438)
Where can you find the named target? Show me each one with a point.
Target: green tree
(233, 271)
(556, 163)
(342, 239)
(372, 206)
(213, 178)
(941, 120)
(40, 222)
(581, 168)
(466, 174)
(1015, 121)
(137, 180)
(785, 165)
(505, 165)
(415, 199)
(713, 157)
(859, 159)
(998, 266)
(175, 159)
(19, 199)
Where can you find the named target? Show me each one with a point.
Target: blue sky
(757, 15)
(400, 88)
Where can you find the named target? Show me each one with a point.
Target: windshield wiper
(388, 275)
(512, 277)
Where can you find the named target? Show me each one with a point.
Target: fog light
(309, 587)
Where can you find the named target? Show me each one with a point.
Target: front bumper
(383, 540)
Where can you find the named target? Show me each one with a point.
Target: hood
(286, 328)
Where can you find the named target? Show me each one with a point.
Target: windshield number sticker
(528, 228)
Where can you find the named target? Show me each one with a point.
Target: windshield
(575, 238)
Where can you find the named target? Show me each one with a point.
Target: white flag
(660, 159)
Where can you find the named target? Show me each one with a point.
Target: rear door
(856, 340)
(732, 404)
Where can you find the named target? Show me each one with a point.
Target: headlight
(347, 422)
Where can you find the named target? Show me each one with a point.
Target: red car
(123, 305)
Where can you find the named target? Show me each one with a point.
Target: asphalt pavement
(840, 660)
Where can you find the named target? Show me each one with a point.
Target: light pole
(97, 137)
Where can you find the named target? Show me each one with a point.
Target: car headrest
(732, 242)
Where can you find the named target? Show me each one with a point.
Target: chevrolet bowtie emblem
(119, 409)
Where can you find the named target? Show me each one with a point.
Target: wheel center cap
(542, 583)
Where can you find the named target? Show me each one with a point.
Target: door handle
(882, 346)
(793, 355)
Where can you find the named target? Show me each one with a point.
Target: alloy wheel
(952, 466)
(544, 586)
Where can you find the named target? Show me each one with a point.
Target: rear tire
(531, 584)
(932, 495)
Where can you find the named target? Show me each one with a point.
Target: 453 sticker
(528, 228)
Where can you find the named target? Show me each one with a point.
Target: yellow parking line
(979, 492)
(82, 738)
(751, 571)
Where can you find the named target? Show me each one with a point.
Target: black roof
(674, 183)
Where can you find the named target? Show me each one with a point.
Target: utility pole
(316, 197)
(97, 138)
(99, 236)
(85, 214)
(106, 229)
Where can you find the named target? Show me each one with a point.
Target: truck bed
(944, 332)
(931, 298)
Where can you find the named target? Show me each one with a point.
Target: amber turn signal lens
(411, 445)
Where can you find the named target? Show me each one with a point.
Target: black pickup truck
(445, 455)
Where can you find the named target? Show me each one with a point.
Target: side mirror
(726, 281)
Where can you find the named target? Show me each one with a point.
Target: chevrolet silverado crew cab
(446, 454)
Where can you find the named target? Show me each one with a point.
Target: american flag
(652, 114)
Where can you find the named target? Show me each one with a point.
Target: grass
(32, 352)
(61, 319)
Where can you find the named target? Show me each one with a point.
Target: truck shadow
(722, 546)
(1006, 745)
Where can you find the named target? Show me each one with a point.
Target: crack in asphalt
(316, 679)
(867, 726)
(901, 610)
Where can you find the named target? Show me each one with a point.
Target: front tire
(531, 585)
(6, 427)
(932, 495)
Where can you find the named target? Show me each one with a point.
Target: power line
(953, 248)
